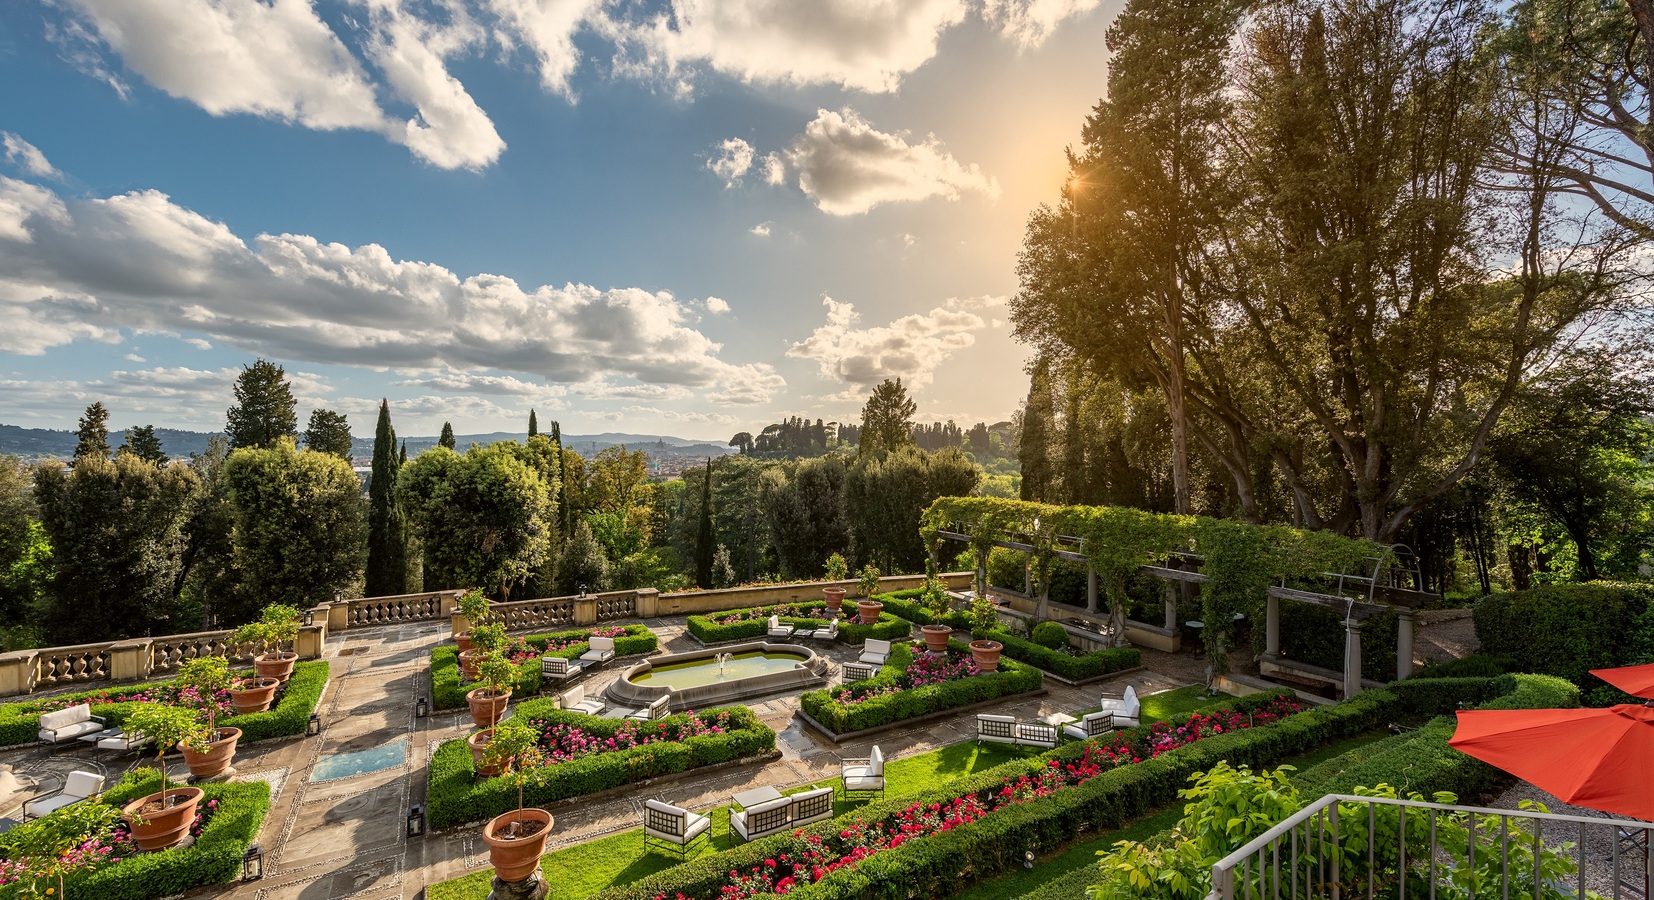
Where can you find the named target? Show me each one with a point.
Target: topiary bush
(826, 707)
(1050, 635)
(1567, 630)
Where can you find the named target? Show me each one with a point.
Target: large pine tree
(329, 432)
(93, 432)
(387, 570)
(264, 409)
(142, 443)
(447, 439)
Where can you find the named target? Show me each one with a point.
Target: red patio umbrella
(1596, 758)
(1638, 681)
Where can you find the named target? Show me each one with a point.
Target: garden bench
(997, 729)
(70, 723)
(558, 668)
(866, 776)
(672, 826)
(1125, 709)
(1090, 725)
(858, 672)
(77, 787)
(1036, 734)
(575, 699)
(830, 633)
(779, 631)
(783, 813)
(599, 650)
(875, 652)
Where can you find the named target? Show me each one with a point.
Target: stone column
(447, 603)
(585, 610)
(1352, 658)
(647, 603)
(458, 624)
(1091, 589)
(18, 670)
(129, 660)
(1272, 629)
(981, 585)
(1404, 643)
(338, 615)
(1171, 607)
(1028, 576)
(311, 640)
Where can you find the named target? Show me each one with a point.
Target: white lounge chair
(830, 633)
(559, 669)
(599, 650)
(656, 710)
(673, 826)
(1090, 725)
(857, 672)
(1124, 709)
(875, 652)
(69, 723)
(575, 699)
(1036, 734)
(778, 630)
(867, 775)
(77, 787)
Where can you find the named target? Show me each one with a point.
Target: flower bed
(295, 700)
(597, 754)
(106, 865)
(1062, 663)
(901, 691)
(746, 624)
(448, 686)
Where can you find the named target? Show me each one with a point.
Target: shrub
(1057, 662)
(1476, 665)
(1565, 629)
(813, 614)
(448, 691)
(1050, 635)
(887, 703)
(1315, 635)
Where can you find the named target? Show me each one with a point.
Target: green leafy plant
(166, 727)
(837, 568)
(498, 676)
(984, 617)
(935, 595)
(283, 624)
(207, 675)
(515, 749)
(868, 580)
(474, 606)
(488, 638)
(48, 844)
(1050, 635)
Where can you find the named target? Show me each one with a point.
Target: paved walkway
(345, 837)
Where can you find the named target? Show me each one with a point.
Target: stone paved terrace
(328, 838)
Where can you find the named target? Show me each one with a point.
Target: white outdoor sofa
(866, 776)
(1125, 709)
(599, 650)
(77, 787)
(875, 652)
(672, 826)
(575, 699)
(1007, 730)
(779, 631)
(559, 669)
(772, 816)
(69, 723)
(1090, 725)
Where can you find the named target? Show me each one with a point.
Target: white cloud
(847, 166)
(908, 241)
(161, 394)
(1030, 22)
(87, 268)
(450, 131)
(733, 161)
(608, 390)
(775, 170)
(477, 383)
(911, 347)
(133, 357)
(198, 343)
(865, 44)
(548, 28)
(27, 156)
(679, 415)
(762, 229)
(717, 305)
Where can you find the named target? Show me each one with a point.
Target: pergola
(1358, 596)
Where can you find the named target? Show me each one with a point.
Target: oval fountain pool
(717, 676)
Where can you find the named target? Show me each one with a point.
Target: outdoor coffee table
(1058, 720)
(756, 796)
(96, 736)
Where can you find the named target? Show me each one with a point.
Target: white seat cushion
(70, 732)
(856, 780)
(50, 804)
(63, 718)
(590, 707)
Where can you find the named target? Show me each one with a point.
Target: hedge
(887, 628)
(1057, 662)
(823, 705)
(214, 857)
(448, 687)
(456, 796)
(1315, 634)
(298, 699)
(1569, 629)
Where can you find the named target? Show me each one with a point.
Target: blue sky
(689, 218)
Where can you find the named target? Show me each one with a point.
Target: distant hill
(47, 442)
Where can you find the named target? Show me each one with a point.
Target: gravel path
(1598, 846)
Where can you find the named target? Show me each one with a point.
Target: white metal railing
(1394, 848)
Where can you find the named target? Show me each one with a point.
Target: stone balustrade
(138, 659)
(365, 612)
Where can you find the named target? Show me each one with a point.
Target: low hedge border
(288, 718)
(887, 628)
(456, 796)
(824, 708)
(1073, 669)
(214, 858)
(448, 687)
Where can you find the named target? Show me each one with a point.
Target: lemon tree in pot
(204, 680)
(935, 601)
(485, 639)
(517, 839)
(984, 649)
(473, 607)
(488, 702)
(162, 819)
(278, 624)
(869, 608)
(837, 569)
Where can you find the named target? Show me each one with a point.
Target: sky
(691, 217)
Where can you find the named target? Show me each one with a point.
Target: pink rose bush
(561, 743)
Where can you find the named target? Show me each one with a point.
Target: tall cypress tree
(264, 409)
(533, 424)
(705, 539)
(447, 439)
(565, 514)
(387, 571)
(1037, 424)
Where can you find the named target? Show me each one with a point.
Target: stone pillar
(585, 610)
(338, 615)
(129, 660)
(1028, 576)
(448, 603)
(458, 624)
(532, 888)
(647, 603)
(311, 640)
(981, 585)
(1352, 658)
(1091, 589)
(1272, 629)
(1171, 607)
(1404, 643)
(18, 670)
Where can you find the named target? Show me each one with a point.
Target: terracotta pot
(278, 665)
(463, 640)
(835, 598)
(468, 662)
(516, 860)
(936, 637)
(486, 710)
(215, 760)
(869, 610)
(160, 830)
(254, 699)
(478, 742)
(986, 654)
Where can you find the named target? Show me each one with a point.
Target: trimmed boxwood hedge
(1012, 678)
(1058, 662)
(214, 858)
(456, 796)
(887, 628)
(447, 683)
(288, 717)
(1569, 629)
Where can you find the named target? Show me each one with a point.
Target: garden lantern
(309, 618)
(314, 726)
(1027, 859)
(252, 863)
(422, 708)
(416, 820)
(338, 596)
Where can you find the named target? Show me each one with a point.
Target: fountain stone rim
(811, 673)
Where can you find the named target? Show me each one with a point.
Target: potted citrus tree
(935, 601)
(485, 639)
(473, 607)
(867, 606)
(984, 649)
(488, 701)
(277, 625)
(162, 819)
(46, 854)
(837, 569)
(516, 839)
(203, 678)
